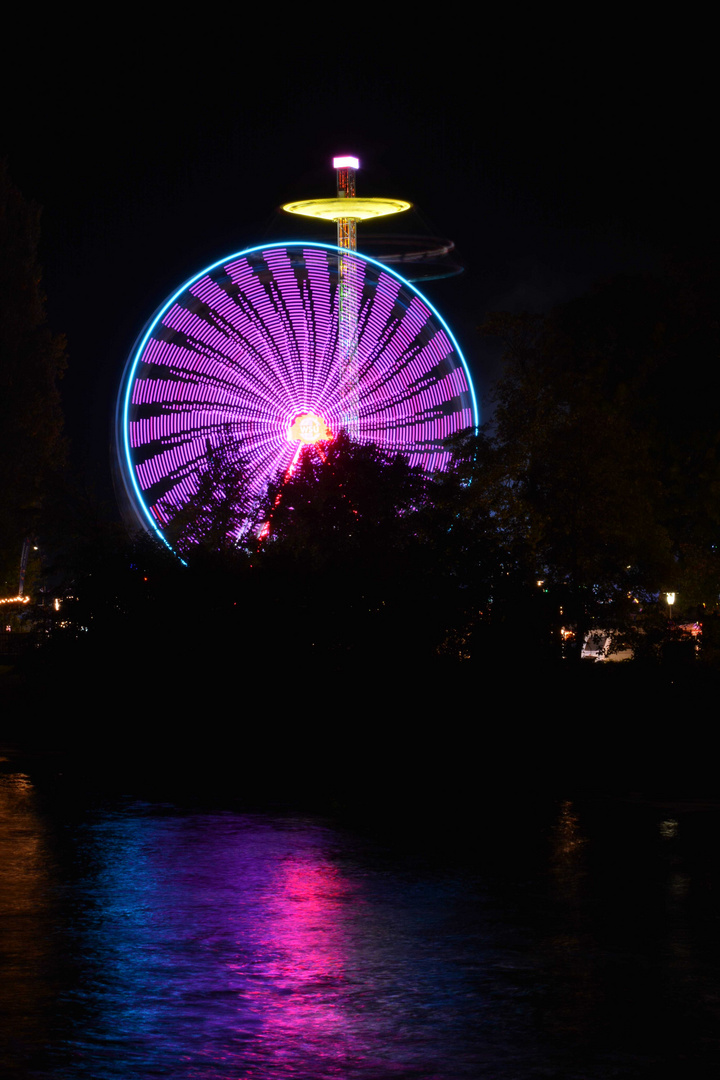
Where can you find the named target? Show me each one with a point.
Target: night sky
(552, 153)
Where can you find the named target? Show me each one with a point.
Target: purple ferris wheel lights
(247, 353)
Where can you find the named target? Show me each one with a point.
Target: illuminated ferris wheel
(276, 347)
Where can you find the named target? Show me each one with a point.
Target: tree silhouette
(32, 360)
(606, 441)
(219, 514)
(346, 505)
(346, 558)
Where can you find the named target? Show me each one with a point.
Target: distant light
(346, 163)
(670, 598)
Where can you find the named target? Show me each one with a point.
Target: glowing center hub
(308, 428)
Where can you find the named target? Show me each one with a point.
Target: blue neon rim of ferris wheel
(142, 341)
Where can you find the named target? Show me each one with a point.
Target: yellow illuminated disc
(359, 209)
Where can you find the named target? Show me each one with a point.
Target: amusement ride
(281, 346)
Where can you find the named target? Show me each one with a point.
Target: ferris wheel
(247, 354)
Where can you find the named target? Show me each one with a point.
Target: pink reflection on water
(302, 995)
(235, 947)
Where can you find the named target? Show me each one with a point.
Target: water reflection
(304, 986)
(231, 942)
(575, 994)
(144, 940)
(668, 828)
(27, 925)
(568, 841)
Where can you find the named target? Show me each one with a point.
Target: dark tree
(579, 431)
(346, 556)
(603, 462)
(218, 516)
(32, 360)
(345, 505)
(482, 546)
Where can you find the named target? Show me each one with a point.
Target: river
(145, 937)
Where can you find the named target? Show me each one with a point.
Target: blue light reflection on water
(146, 940)
(222, 944)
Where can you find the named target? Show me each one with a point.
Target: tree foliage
(595, 489)
(606, 449)
(599, 478)
(346, 506)
(577, 467)
(32, 360)
(345, 558)
(219, 514)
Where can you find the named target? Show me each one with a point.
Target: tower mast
(346, 170)
(346, 210)
(348, 298)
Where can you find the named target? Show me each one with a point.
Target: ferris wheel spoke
(249, 355)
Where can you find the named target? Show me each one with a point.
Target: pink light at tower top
(346, 163)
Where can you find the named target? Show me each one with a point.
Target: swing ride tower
(346, 210)
(280, 346)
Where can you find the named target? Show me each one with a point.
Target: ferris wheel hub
(309, 428)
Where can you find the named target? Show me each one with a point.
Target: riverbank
(321, 735)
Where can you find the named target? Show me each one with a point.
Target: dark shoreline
(441, 739)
